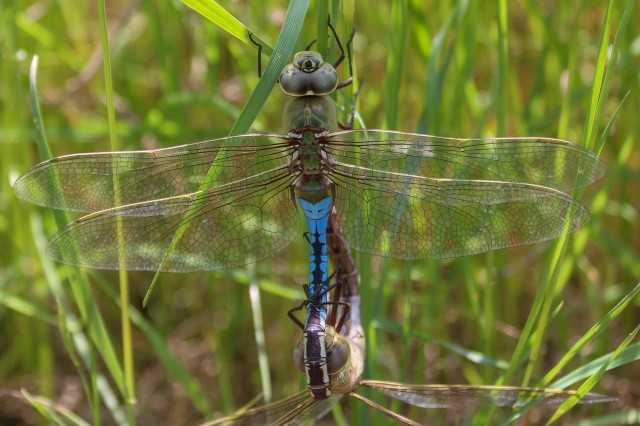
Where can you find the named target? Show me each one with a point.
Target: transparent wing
(87, 182)
(552, 163)
(461, 396)
(223, 227)
(411, 217)
(290, 411)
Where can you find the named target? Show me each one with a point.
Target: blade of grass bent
(598, 328)
(79, 284)
(127, 346)
(588, 337)
(215, 13)
(281, 54)
(591, 382)
(628, 355)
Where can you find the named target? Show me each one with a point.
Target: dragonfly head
(308, 75)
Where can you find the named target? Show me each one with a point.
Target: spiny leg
(352, 116)
(259, 54)
(313, 300)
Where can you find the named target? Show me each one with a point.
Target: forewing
(223, 227)
(468, 397)
(88, 182)
(417, 218)
(548, 162)
(290, 411)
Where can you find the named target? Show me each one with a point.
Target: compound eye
(337, 354)
(324, 81)
(294, 82)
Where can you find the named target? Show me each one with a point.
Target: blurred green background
(437, 67)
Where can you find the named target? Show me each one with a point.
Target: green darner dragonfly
(345, 358)
(227, 202)
(396, 194)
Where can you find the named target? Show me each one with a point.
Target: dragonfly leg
(344, 316)
(344, 83)
(349, 80)
(259, 53)
(341, 58)
(306, 237)
(310, 44)
(335, 36)
(349, 57)
(307, 291)
(293, 317)
(313, 300)
(319, 295)
(352, 117)
(339, 323)
(337, 294)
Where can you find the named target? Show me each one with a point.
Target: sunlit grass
(437, 67)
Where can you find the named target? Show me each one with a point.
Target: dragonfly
(230, 201)
(345, 349)
(226, 202)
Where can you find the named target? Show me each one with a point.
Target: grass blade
(215, 13)
(90, 312)
(127, 344)
(591, 382)
(591, 335)
(395, 59)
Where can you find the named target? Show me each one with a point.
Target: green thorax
(309, 118)
(317, 112)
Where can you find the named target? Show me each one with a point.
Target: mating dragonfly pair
(345, 360)
(227, 202)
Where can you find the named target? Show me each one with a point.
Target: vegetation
(208, 343)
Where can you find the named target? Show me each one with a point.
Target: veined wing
(87, 182)
(289, 411)
(462, 396)
(227, 226)
(410, 217)
(553, 163)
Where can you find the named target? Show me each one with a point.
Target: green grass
(464, 68)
